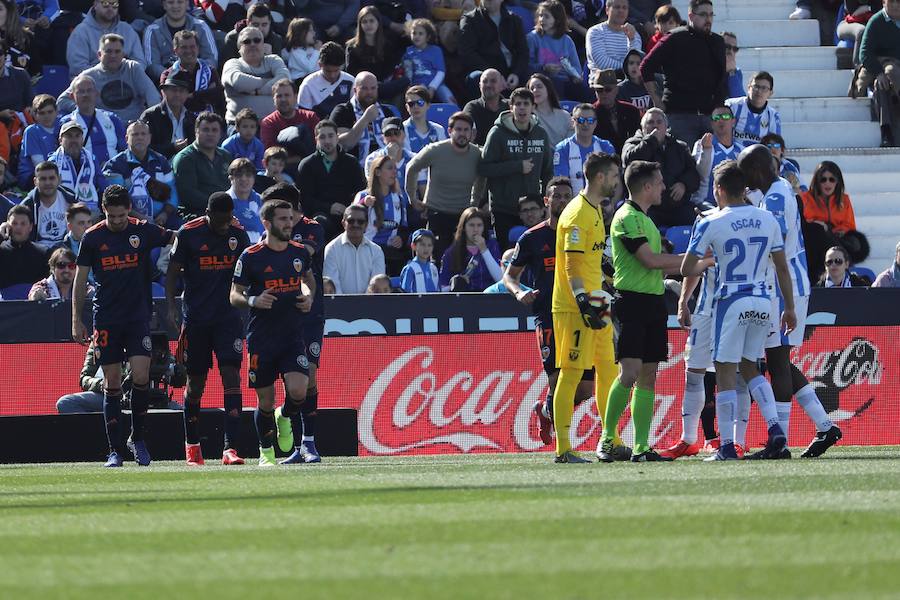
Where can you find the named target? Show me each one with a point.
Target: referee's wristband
(251, 300)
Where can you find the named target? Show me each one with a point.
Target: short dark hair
(46, 165)
(184, 34)
(116, 195)
(359, 207)
(60, 253)
(220, 202)
(258, 10)
(730, 178)
(560, 180)
(421, 91)
(638, 174)
(722, 107)
(241, 165)
(326, 123)
(582, 107)
(111, 37)
(772, 137)
(19, 209)
(282, 191)
(209, 117)
(276, 152)
(695, 4)
(245, 113)
(597, 162)
(267, 212)
(460, 116)
(765, 75)
(41, 101)
(74, 209)
(667, 12)
(331, 54)
(521, 92)
(531, 199)
(286, 82)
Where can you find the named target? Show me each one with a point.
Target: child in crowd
(423, 62)
(551, 51)
(39, 140)
(632, 88)
(274, 161)
(380, 284)
(328, 286)
(244, 143)
(301, 49)
(667, 18)
(420, 275)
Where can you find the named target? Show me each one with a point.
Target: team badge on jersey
(545, 352)
(232, 243)
(238, 345)
(134, 240)
(303, 361)
(574, 236)
(298, 265)
(314, 348)
(573, 354)
(252, 376)
(146, 343)
(238, 268)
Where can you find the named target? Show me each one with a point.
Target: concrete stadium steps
(859, 160)
(808, 83)
(770, 33)
(873, 204)
(804, 110)
(841, 134)
(744, 10)
(793, 58)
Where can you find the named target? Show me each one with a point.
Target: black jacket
(319, 189)
(694, 66)
(484, 117)
(161, 129)
(22, 263)
(675, 161)
(479, 43)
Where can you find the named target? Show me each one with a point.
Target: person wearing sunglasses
(58, 286)
(735, 82)
(827, 203)
(103, 18)
(248, 80)
(712, 149)
(616, 120)
(837, 271)
(570, 154)
(788, 167)
(753, 116)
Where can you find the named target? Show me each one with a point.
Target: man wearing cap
(77, 172)
(287, 126)
(393, 134)
(148, 177)
(616, 120)
(123, 85)
(171, 123)
(693, 60)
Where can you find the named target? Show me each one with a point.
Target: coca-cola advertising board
(453, 393)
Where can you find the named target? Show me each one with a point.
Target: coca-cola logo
(833, 372)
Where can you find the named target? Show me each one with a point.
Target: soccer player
(311, 234)
(205, 252)
(761, 173)
(583, 339)
(742, 238)
(639, 308)
(273, 279)
(117, 251)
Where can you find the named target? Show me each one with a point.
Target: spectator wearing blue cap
(420, 275)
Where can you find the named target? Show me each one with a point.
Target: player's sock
(741, 412)
(725, 410)
(291, 410)
(265, 427)
(691, 406)
(809, 400)
(642, 414)
(191, 419)
(615, 406)
(604, 374)
(112, 413)
(308, 414)
(708, 414)
(140, 402)
(547, 409)
(233, 408)
(784, 416)
(563, 406)
(761, 391)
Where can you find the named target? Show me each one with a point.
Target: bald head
(365, 86)
(491, 84)
(758, 166)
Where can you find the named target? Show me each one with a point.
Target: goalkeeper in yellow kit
(584, 339)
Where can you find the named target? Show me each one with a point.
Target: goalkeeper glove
(588, 313)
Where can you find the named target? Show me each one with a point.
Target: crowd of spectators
(176, 101)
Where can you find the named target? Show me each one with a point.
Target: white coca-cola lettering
(856, 364)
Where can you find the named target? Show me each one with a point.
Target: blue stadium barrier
(523, 13)
(864, 272)
(679, 236)
(395, 283)
(568, 105)
(18, 291)
(441, 112)
(54, 80)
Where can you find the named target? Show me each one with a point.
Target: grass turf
(488, 526)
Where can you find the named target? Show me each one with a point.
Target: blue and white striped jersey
(779, 200)
(750, 125)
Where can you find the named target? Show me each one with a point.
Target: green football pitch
(489, 526)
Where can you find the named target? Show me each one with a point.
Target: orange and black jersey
(122, 269)
(536, 251)
(311, 233)
(208, 259)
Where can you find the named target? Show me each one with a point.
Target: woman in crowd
(555, 121)
(377, 51)
(837, 271)
(388, 205)
(552, 52)
(472, 262)
(17, 38)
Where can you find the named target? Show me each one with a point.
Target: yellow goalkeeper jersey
(580, 229)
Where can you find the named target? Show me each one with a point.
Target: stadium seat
(158, 290)
(524, 14)
(392, 109)
(864, 272)
(679, 236)
(395, 283)
(516, 232)
(18, 291)
(54, 79)
(441, 112)
(568, 105)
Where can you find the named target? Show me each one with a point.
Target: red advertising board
(429, 394)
